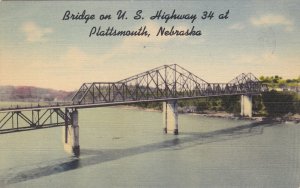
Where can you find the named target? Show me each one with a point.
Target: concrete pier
(170, 117)
(246, 105)
(71, 144)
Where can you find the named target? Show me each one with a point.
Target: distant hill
(33, 94)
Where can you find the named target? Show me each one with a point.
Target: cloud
(273, 20)
(237, 26)
(34, 32)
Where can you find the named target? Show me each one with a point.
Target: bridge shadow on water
(94, 157)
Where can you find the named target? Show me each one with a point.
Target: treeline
(32, 94)
(272, 103)
(278, 82)
(276, 103)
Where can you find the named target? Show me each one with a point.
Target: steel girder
(164, 82)
(13, 121)
(160, 84)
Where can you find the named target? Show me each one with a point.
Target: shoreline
(222, 114)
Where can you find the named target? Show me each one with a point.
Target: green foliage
(278, 82)
(258, 106)
(201, 106)
(279, 103)
(153, 105)
(231, 104)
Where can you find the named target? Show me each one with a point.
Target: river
(127, 148)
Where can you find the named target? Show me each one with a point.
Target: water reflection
(93, 157)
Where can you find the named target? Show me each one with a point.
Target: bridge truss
(165, 82)
(168, 82)
(24, 120)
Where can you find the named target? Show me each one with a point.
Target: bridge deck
(165, 83)
(103, 104)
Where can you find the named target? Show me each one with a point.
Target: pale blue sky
(38, 48)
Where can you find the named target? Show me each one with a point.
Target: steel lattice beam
(168, 81)
(13, 121)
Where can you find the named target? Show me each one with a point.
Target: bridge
(166, 84)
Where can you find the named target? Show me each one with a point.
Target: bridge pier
(170, 117)
(246, 105)
(71, 144)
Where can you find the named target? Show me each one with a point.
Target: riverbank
(221, 114)
(225, 115)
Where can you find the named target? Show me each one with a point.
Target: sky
(38, 48)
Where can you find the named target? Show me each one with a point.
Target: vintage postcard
(150, 93)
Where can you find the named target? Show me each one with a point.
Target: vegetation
(273, 103)
(32, 94)
(283, 97)
(153, 105)
(280, 103)
(278, 82)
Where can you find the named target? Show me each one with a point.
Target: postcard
(150, 93)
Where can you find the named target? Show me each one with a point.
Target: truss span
(163, 83)
(168, 82)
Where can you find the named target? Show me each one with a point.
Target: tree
(278, 103)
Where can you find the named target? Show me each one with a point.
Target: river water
(127, 148)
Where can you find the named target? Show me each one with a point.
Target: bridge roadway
(70, 105)
(166, 84)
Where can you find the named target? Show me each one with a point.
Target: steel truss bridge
(164, 83)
